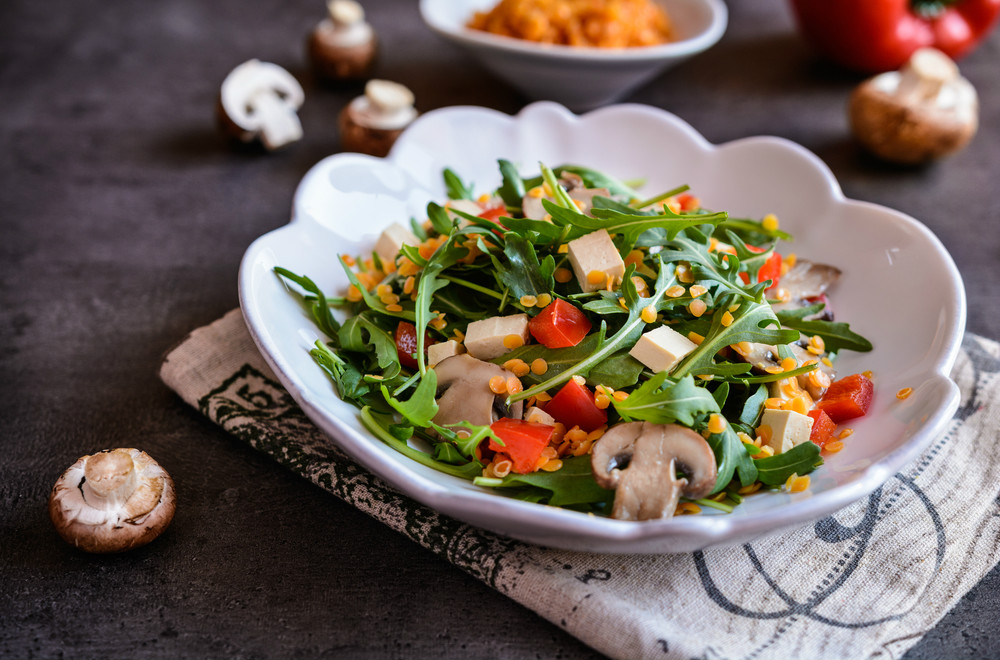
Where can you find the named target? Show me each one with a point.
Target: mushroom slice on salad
(640, 461)
(464, 393)
(531, 204)
(803, 284)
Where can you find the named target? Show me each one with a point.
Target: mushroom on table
(259, 101)
(343, 45)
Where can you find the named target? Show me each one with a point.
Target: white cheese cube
(464, 205)
(595, 252)
(392, 239)
(788, 429)
(538, 416)
(661, 349)
(484, 340)
(445, 349)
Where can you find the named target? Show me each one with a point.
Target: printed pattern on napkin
(867, 582)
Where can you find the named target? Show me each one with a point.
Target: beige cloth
(867, 582)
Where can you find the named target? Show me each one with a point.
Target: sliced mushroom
(112, 501)
(464, 393)
(575, 188)
(762, 356)
(259, 100)
(639, 460)
(371, 123)
(343, 45)
(923, 111)
(804, 281)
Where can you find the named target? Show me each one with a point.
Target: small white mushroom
(921, 112)
(343, 45)
(260, 100)
(640, 460)
(371, 123)
(112, 501)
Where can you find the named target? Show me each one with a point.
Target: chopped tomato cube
(688, 202)
(559, 325)
(494, 213)
(574, 405)
(523, 442)
(823, 427)
(847, 398)
(406, 344)
(771, 270)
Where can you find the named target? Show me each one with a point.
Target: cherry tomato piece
(823, 427)
(574, 405)
(406, 344)
(559, 325)
(848, 398)
(523, 442)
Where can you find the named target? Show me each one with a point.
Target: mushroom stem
(923, 77)
(110, 479)
(281, 124)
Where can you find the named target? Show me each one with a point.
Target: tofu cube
(484, 340)
(440, 351)
(392, 239)
(788, 429)
(464, 205)
(539, 416)
(661, 349)
(595, 252)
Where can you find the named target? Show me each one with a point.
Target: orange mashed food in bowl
(592, 23)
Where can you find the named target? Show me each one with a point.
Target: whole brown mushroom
(112, 501)
(924, 111)
(371, 123)
(343, 45)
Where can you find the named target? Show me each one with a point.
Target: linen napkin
(867, 582)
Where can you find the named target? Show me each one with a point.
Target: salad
(565, 340)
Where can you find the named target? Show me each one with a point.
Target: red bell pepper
(848, 398)
(873, 36)
(559, 325)
(406, 344)
(574, 405)
(823, 427)
(523, 442)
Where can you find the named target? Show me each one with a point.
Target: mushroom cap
(336, 59)
(112, 501)
(465, 394)
(922, 112)
(639, 461)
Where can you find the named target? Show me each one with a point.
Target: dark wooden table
(124, 217)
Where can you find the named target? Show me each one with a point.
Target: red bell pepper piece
(523, 442)
(771, 270)
(823, 427)
(406, 344)
(574, 405)
(559, 325)
(873, 36)
(848, 398)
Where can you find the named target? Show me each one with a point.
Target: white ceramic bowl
(900, 289)
(579, 78)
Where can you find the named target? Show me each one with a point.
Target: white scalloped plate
(900, 289)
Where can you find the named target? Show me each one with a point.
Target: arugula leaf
(731, 457)
(373, 301)
(836, 335)
(521, 272)
(346, 377)
(753, 407)
(352, 338)
(662, 401)
(455, 188)
(467, 443)
(618, 371)
(421, 407)
(753, 231)
(470, 470)
(801, 459)
(751, 322)
(712, 266)
(571, 484)
(320, 309)
(594, 179)
(512, 189)
(440, 220)
(429, 283)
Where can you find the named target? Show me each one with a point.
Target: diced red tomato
(823, 427)
(771, 270)
(688, 202)
(494, 213)
(574, 405)
(848, 398)
(523, 442)
(406, 344)
(559, 325)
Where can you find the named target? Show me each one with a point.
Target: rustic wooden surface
(124, 217)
